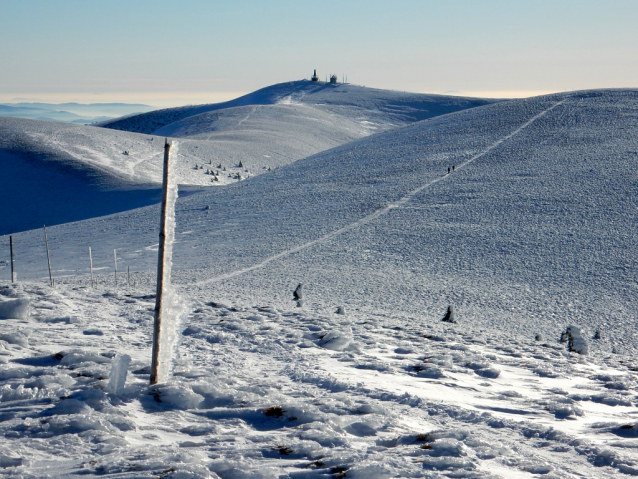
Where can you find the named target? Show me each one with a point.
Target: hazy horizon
(161, 54)
(173, 100)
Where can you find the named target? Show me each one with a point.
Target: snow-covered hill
(60, 173)
(365, 105)
(541, 199)
(532, 231)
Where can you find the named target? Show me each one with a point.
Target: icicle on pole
(91, 267)
(46, 243)
(13, 274)
(168, 306)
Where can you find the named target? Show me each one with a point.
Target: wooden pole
(115, 265)
(128, 273)
(91, 267)
(157, 326)
(46, 242)
(13, 274)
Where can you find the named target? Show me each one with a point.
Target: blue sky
(170, 53)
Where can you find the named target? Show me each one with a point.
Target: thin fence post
(128, 273)
(13, 274)
(115, 265)
(46, 242)
(157, 326)
(91, 267)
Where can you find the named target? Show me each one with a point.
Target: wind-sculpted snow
(256, 394)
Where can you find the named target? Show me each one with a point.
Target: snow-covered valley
(531, 230)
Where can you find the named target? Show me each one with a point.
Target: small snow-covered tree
(449, 315)
(575, 341)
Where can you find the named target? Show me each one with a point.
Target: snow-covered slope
(541, 200)
(531, 232)
(62, 173)
(289, 121)
(350, 101)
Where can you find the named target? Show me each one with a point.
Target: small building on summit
(314, 76)
(333, 79)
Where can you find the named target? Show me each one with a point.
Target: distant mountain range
(78, 113)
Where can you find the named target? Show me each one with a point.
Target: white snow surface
(60, 172)
(532, 232)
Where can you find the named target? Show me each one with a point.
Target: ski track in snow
(254, 109)
(371, 217)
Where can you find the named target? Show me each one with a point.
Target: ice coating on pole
(172, 305)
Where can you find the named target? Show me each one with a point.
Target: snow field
(379, 225)
(532, 232)
(256, 393)
(59, 173)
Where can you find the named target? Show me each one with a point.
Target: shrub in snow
(597, 334)
(575, 341)
(298, 292)
(14, 309)
(340, 310)
(449, 315)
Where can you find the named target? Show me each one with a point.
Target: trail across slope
(371, 217)
(109, 170)
(535, 236)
